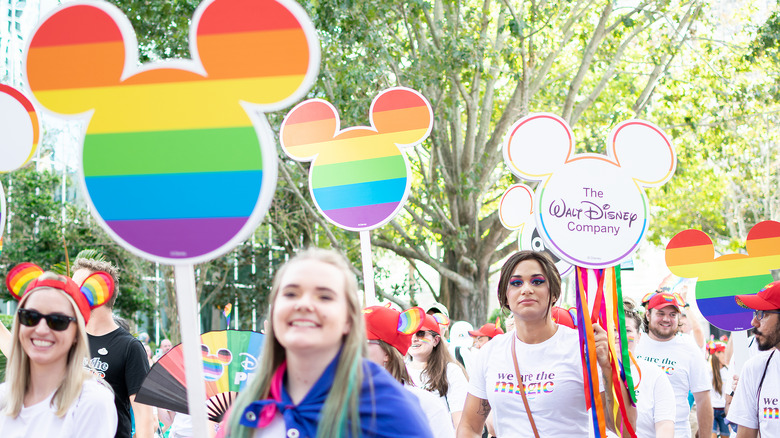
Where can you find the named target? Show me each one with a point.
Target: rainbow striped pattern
(98, 288)
(409, 321)
(691, 254)
(214, 366)
(359, 178)
(20, 277)
(772, 413)
(11, 158)
(171, 161)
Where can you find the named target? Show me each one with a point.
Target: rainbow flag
(359, 178)
(691, 254)
(171, 160)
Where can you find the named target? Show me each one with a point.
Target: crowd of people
(330, 368)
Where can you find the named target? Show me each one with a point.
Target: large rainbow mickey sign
(171, 159)
(171, 162)
(590, 209)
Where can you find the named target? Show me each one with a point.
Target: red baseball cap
(767, 298)
(564, 317)
(391, 326)
(663, 299)
(490, 330)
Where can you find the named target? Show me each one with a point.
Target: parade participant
(531, 378)
(485, 334)
(680, 358)
(721, 378)
(313, 378)
(433, 368)
(47, 391)
(655, 404)
(388, 342)
(117, 357)
(755, 407)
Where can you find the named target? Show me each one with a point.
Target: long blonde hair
(17, 374)
(341, 404)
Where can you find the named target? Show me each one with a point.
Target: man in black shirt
(117, 357)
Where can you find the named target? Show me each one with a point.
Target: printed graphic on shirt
(770, 408)
(665, 363)
(99, 367)
(535, 383)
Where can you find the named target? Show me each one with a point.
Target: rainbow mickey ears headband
(93, 292)
(394, 327)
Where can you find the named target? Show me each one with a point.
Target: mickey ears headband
(409, 321)
(93, 292)
(441, 319)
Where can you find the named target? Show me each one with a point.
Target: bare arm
(746, 432)
(144, 419)
(704, 413)
(473, 417)
(5, 341)
(664, 429)
(456, 419)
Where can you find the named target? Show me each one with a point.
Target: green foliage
(161, 26)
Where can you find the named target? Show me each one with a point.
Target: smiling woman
(48, 392)
(314, 379)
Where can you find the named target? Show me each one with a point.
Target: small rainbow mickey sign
(590, 209)
(359, 179)
(19, 137)
(691, 254)
(171, 160)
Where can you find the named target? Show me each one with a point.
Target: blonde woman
(47, 391)
(314, 380)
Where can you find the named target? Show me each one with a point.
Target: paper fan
(229, 359)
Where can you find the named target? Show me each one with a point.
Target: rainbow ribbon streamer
(608, 312)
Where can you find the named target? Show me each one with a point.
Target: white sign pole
(190, 339)
(368, 266)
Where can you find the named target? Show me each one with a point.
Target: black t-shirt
(121, 360)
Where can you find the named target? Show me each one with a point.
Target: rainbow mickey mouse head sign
(171, 162)
(359, 179)
(590, 209)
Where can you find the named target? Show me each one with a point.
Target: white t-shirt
(458, 385)
(92, 415)
(686, 369)
(727, 377)
(762, 413)
(552, 375)
(435, 410)
(654, 398)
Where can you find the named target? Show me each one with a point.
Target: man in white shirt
(682, 361)
(756, 404)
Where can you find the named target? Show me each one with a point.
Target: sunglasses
(759, 314)
(423, 333)
(55, 321)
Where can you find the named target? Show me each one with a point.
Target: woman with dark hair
(389, 337)
(532, 377)
(313, 378)
(433, 368)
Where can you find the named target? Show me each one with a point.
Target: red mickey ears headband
(93, 292)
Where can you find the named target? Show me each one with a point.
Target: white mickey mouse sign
(590, 209)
